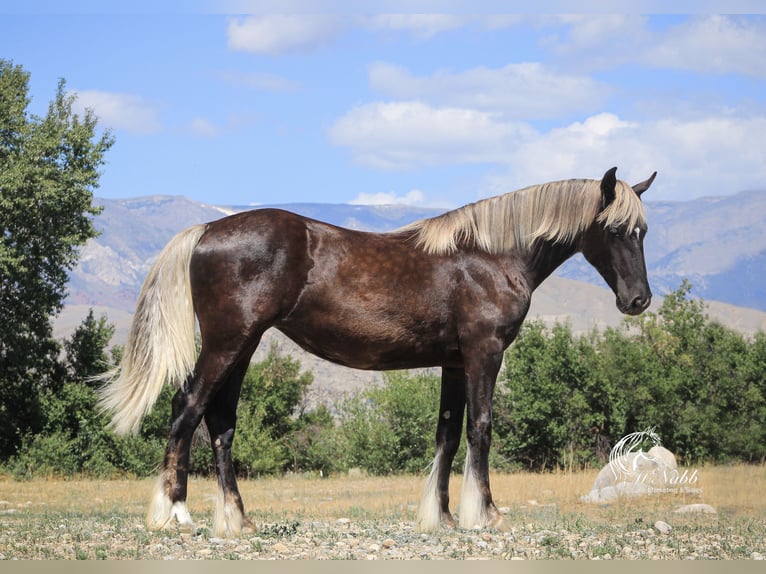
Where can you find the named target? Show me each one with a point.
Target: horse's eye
(615, 231)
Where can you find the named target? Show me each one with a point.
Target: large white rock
(701, 508)
(634, 474)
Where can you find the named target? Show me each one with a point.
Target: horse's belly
(374, 351)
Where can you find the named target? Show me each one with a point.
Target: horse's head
(614, 244)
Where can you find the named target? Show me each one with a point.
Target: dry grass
(735, 491)
(298, 518)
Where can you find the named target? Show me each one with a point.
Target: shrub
(392, 428)
(552, 406)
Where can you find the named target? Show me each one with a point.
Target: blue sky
(234, 103)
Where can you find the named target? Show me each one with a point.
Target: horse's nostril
(640, 303)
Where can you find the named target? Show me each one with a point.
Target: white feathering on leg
(429, 515)
(162, 511)
(228, 519)
(159, 512)
(181, 513)
(472, 513)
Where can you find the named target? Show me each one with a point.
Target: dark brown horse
(451, 291)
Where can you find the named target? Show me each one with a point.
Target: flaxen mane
(558, 211)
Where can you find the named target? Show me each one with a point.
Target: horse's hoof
(498, 522)
(186, 527)
(171, 525)
(248, 527)
(448, 522)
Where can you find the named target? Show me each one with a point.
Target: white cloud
(276, 34)
(422, 25)
(581, 149)
(426, 26)
(204, 128)
(412, 197)
(600, 30)
(596, 41)
(121, 111)
(718, 44)
(403, 135)
(706, 156)
(707, 44)
(523, 91)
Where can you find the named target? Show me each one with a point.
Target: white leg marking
(181, 513)
(162, 511)
(472, 513)
(429, 515)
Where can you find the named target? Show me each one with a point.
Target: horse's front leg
(477, 509)
(434, 506)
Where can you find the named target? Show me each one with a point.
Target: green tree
(749, 436)
(72, 439)
(271, 395)
(49, 167)
(552, 407)
(391, 428)
(668, 396)
(314, 445)
(698, 383)
(86, 354)
(410, 405)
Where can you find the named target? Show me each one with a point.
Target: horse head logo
(627, 456)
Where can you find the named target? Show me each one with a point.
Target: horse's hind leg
(434, 506)
(168, 505)
(221, 418)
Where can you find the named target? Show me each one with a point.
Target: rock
(702, 508)
(633, 474)
(389, 543)
(280, 548)
(664, 455)
(662, 527)
(611, 493)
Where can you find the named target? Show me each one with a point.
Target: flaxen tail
(161, 347)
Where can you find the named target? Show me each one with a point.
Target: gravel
(352, 539)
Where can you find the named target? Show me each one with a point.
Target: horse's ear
(640, 188)
(608, 183)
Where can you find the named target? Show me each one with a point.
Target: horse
(450, 291)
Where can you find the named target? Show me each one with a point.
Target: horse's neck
(544, 259)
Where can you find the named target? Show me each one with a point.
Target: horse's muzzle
(636, 305)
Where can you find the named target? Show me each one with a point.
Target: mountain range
(719, 244)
